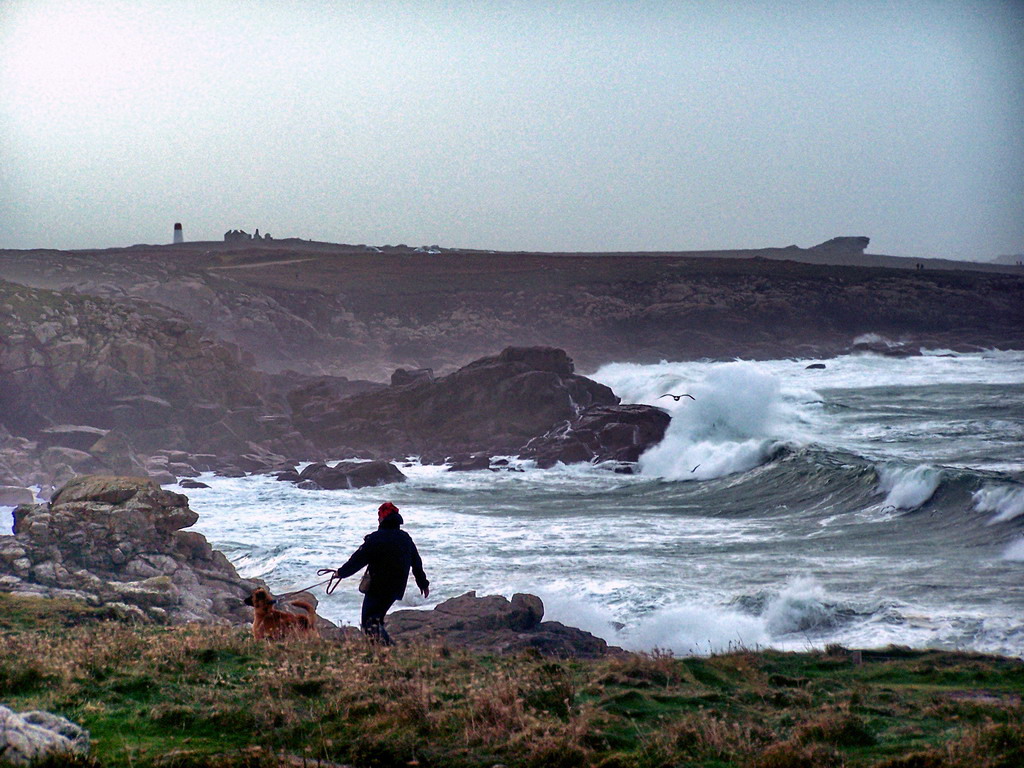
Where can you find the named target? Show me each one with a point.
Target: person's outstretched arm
(417, 571)
(359, 559)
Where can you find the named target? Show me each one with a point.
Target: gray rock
(12, 496)
(32, 736)
(120, 540)
(600, 433)
(114, 450)
(494, 404)
(471, 462)
(162, 477)
(494, 624)
(76, 436)
(352, 474)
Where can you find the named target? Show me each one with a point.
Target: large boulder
(114, 450)
(78, 436)
(350, 474)
(600, 433)
(119, 541)
(494, 624)
(13, 495)
(494, 404)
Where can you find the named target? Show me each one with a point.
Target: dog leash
(331, 581)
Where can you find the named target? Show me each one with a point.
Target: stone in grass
(30, 737)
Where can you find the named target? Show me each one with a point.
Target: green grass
(199, 695)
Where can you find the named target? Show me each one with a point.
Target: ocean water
(877, 501)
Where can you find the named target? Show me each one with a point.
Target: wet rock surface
(494, 404)
(119, 542)
(494, 624)
(600, 433)
(347, 474)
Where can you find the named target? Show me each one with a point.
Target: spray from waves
(874, 338)
(800, 609)
(1015, 551)
(908, 487)
(1006, 501)
(739, 415)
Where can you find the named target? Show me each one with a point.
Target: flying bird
(677, 398)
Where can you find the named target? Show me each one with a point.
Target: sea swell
(785, 507)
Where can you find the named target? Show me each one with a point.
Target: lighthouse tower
(178, 237)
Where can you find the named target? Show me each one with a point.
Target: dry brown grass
(193, 696)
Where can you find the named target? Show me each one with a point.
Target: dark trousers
(372, 621)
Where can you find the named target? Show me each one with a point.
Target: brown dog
(273, 624)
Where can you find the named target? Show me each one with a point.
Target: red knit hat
(385, 509)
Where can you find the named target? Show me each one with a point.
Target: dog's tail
(310, 611)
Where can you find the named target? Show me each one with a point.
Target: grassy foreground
(191, 696)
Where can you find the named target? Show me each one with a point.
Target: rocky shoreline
(93, 386)
(121, 544)
(240, 358)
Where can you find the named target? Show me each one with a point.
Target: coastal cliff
(362, 312)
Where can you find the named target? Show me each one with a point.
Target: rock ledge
(494, 624)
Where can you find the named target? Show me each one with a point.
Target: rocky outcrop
(13, 495)
(119, 541)
(600, 433)
(32, 737)
(845, 244)
(346, 474)
(495, 404)
(74, 360)
(91, 384)
(494, 624)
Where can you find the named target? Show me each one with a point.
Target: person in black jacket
(388, 553)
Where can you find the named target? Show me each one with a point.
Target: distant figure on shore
(387, 554)
(179, 236)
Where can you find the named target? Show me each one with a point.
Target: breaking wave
(738, 418)
(1006, 501)
(908, 487)
(798, 614)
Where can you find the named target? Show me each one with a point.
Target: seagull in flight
(677, 398)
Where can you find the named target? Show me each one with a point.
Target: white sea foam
(799, 607)
(874, 338)
(1006, 501)
(644, 383)
(738, 414)
(698, 628)
(6, 520)
(1015, 551)
(908, 487)
(648, 563)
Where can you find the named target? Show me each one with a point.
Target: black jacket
(389, 553)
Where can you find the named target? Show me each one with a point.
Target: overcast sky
(515, 126)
